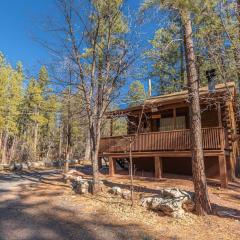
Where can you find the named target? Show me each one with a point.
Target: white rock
(72, 171)
(81, 186)
(115, 190)
(126, 194)
(78, 178)
(171, 202)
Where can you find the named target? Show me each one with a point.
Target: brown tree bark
(237, 56)
(12, 149)
(87, 149)
(60, 143)
(237, 51)
(94, 145)
(4, 148)
(69, 124)
(35, 140)
(202, 202)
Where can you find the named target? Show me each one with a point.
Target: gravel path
(33, 210)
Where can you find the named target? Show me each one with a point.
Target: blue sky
(21, 20)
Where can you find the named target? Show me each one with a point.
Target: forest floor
(39, 206)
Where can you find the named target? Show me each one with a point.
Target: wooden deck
(174, 141)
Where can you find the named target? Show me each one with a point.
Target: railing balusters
(163, 141)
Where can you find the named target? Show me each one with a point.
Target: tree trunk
(182, 70)
(35, 141)
(131, 170)
(202, 202)
(87, 149)
(60, 143)
(94, 145)
(237, 51)
(66, 166)
(69, 124)
(12, 150)
(1, 135)
(237, 55)
(4, 148)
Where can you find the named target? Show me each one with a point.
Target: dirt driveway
(34, 209)
(38, 206)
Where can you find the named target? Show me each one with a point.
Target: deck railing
(177, 140)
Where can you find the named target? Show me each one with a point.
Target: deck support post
(112, 167)
(223, 171)
(158, 167)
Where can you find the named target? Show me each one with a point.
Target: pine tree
(136, 94)
(40, 109)
(11, 97)
(185, 9)
(167, 57)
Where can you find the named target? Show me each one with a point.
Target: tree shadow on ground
(226, 212)
(35, 213)
(35, 176)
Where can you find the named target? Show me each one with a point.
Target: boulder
(126, 194)
(69, 177)
(38, 164)
(12, 167)
(15, 167)
(172, 202)
(115, 190)
(81, 186)
(100, 185)
(79, 178)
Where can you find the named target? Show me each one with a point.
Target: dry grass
(119, 211)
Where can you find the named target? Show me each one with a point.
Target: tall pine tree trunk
(4, 148)
(94, 145)
(69, 124)
(60, 143)
(87, 148)
(35, 141)
(237, 51)
(1, 135)
(202, 202)
(12, 149)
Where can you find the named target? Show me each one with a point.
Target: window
(167, 124)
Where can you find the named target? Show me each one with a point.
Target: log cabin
(159, 130)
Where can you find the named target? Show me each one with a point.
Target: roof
(176, 97)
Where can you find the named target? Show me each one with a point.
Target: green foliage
(167, 58)
(43, 80)
(10, 95)
(136, 94)
(38, 118)
(215, 26)
(110, 9)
